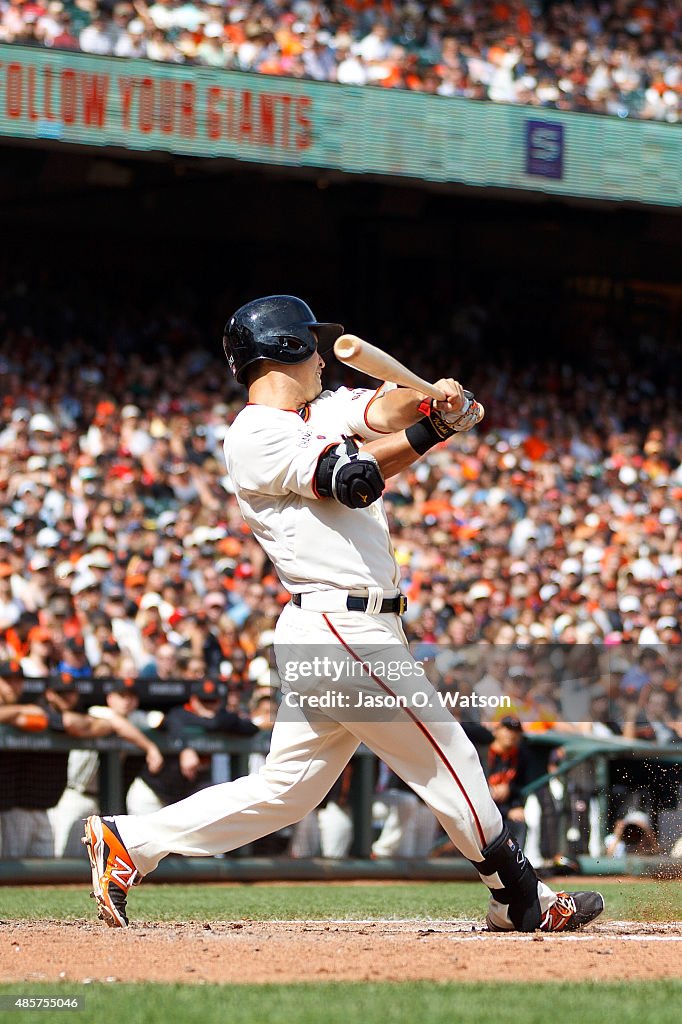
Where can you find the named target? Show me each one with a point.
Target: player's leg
(26, 833)
(336, 830)
(66, 821)
(304, 761)
(141, 799)
(427, 748)
(442, 767)
(305, 839)
(424, 828)
(395, 839)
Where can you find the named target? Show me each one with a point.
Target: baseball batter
(308, 467)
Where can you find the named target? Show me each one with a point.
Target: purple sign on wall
(545, 149)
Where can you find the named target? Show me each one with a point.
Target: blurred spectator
(328, 830)
(132, 42)
(507, 774)
(74, 660)
(633, 836)
(656, 782)
(98, 37)
(40, 659)
(639, 675)
(10, 608)
(36, 780)
(188, 771)
(409, 827)
(654, 721)
(164, 664)
(191, 666)
(542, 693)
(263, 708)
(492, 683)
(516, 688)
(81, 796)
(31, 718)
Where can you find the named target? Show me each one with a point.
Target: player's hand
(472, 415)
(154, 759)
(631, 709)
(499, 791)
(459, 412)
(190, 763)
(31, 718)
(455, 401)
(516, 814)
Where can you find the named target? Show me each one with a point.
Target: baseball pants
(327, 832)
(26, 833)
(429, 750)
(66, 820)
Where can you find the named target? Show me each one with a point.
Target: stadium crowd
(541, 554)
(616, 57)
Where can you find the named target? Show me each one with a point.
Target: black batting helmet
(277, 327)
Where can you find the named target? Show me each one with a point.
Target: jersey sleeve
(277, 458)
(356, 404)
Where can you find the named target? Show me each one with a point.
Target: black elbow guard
(349, 475)
(358, 483)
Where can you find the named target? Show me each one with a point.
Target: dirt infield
(333, 951)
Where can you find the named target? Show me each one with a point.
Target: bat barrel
(346, 347)
(373, 361)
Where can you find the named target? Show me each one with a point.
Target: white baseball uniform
(272, 456)
(325, 552)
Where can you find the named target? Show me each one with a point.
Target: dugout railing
(243, 865)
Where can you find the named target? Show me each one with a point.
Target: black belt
(390, 605)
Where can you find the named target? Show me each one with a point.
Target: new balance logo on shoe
(123, 874)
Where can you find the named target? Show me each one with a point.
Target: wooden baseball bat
(371, 360)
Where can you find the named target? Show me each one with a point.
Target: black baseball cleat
(572, 910)
(113, 871)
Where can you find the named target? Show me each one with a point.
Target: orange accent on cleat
(572, 910)
(113, 871)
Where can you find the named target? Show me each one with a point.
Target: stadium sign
(142, 105)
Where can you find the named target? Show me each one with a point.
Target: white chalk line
(570, 937)
(449, 929)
